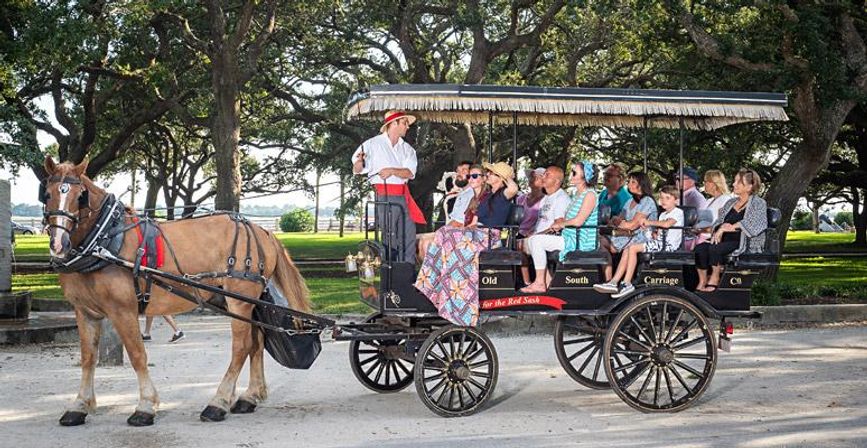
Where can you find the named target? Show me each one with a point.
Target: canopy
(557, 106)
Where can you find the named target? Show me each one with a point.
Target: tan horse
(201, 245)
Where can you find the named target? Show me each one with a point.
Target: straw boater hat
(395, 115)
(501, 169)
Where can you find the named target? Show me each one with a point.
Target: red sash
(415, 212)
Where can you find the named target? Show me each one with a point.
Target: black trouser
(398, 234)
(707, 254)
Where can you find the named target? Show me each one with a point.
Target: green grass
(334, 294)
(307, 246)
(809, 241)
(301, 246)
(836, 272)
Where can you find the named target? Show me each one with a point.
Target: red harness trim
(158, 241)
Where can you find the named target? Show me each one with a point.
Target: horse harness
(108, 234)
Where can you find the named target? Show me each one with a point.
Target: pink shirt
(531, 214)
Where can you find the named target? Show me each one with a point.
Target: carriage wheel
(578, 342)
(379, 364)
(660, 354)
(456, 371)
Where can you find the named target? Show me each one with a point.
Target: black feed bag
(295, 352)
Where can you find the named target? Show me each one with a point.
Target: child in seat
(658, 241)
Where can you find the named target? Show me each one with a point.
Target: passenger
(531, 202)
(452, 185)
(496, 203)
(691, 198)
(743, 217)
(552, 208)
(580, 212)
(464, 204)
(449, 273)
(657, 241)
(615, 194)
(716, 186)
(640, 207)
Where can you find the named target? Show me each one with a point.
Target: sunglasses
(476, 175)
(574, 173)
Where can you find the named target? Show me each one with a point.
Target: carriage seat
(771, 255)
(506, 255)
(680, 257)
(597, 257)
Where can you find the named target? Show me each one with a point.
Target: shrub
(298, 220)
(844, 218)
(801, 220)
(765, 293)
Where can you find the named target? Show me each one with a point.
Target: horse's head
(65, 195)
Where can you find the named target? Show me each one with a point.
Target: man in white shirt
(389, 163)
(552, 208)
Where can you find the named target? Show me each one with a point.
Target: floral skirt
(449, 274)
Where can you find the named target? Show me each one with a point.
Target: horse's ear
(49, 165)
(80, 169)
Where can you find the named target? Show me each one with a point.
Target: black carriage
(656, 348)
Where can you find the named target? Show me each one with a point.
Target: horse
(198, 245)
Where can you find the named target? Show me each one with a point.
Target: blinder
(83, 200)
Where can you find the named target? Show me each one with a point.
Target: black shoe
(146, 337)
(177, 337)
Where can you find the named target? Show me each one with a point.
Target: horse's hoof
(72, 418)
(212, 414)
(243, 407)
(139, 418)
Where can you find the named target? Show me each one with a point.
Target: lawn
(326, 245)
(833, 272)
(329, 295)
(301, 246)
(802, 241)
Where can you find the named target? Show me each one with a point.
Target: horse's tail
(289, 279)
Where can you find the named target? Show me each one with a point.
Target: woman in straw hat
(449, 272)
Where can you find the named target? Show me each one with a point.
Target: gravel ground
(788, 387)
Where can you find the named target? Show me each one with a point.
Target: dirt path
(795, 387)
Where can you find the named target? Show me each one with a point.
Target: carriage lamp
(351, 265)
(367, 272)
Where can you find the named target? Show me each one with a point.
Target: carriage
(657, 347)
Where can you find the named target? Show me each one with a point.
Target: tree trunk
(819, 128)
(151, 195)
(316, 208)
(226, 132)
(342, 216)
(814, 212)
(860, 217)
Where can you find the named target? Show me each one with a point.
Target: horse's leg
(88, 333)
(242, 343)
(256, 391)
(126, 324)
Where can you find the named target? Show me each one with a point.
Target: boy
(665, 241)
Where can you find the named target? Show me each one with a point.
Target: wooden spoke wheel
(381, 365)
(660, 354)
(456, 371)
(579, 343)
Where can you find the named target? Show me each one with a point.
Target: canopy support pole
(515, 141)
(490, 137)
(644, 143)
(680, 174)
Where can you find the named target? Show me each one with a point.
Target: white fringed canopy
(538, 106)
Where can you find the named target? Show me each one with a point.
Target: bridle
(83, 203)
